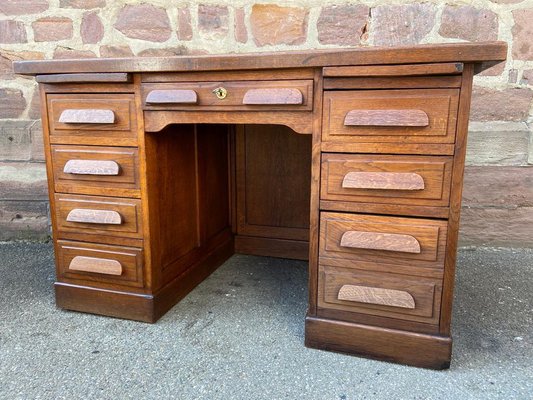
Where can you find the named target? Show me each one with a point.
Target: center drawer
(229, 95)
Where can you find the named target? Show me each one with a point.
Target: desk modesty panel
(159, 169)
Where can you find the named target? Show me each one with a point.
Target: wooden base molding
(415, 349)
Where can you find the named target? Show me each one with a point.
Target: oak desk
(161, 169)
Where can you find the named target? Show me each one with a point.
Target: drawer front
(92, 115)
(403, 116)
(234, 95)
(409, 180)
(98, 263)
(99, 215)
(403, 297)
(355, 238)
(82, 169)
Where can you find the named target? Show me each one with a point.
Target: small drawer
(402, 116)
(230, 95)
(98, 263)
(89, 117)
(403, 297)
(96, 170)
(408, 180)
(357, 238)
(99, 215)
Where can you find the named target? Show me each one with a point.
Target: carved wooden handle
(97, 265)
(380, 241)
(91, 167)
(177, 96)
(273, 96)
(372, 295)
(87, 116)
(383, 180)
(386, 118)
(88, 216)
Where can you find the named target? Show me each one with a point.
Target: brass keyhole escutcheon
(220, 92)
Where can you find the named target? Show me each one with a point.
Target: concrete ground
(239, 335)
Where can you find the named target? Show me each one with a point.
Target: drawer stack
(383, 217)
(96, 204)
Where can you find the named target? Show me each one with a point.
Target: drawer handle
(380, 241)
(91, 167)
(371, 295)
(97, 265)
(177, 96)
(273, 96)
(386, 118)
(94, 216)
(383, 180)
(87, 116)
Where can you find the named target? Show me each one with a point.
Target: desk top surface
(454, 52)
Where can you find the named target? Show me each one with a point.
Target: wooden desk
(161, 169)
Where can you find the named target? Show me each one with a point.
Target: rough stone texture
(167, 52)
(499, 227)
(15, 140)
(469, 23)
(273, 25)
(527, 77)
(23, 7)
(12, 103)
(92, 29)
(402, 24)
(12, 32)
(506, 105)
(23, 181)
(497, 143)
(65, 53)
(115, 51)
(241, 34)
(34, 111)
(49, 29)
(213, 21)
(343, 25)
(522, 34)
(184, 24)
(507, 1)
(6, 61)
(37, 144)
(494, 70)
(23, 220)
(86, 4)
(145, 22)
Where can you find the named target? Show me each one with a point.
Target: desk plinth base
(415, 349)
(140, 307)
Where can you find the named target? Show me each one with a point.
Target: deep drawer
(409, 180)
(99, 215)
(402, 116)
(230, 95)
(354, 238)
(96, 170)
(98, 263)
(410, 298)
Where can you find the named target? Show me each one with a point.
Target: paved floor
(239, 335)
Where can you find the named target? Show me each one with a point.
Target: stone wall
(498, 198)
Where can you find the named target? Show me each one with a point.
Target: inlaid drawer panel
(99, 215)
(100, 263)
(235, 95)
(91, 116)
(404, 297)
(409, 180)
(86, 169)
(379, 239)
(403, 116)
